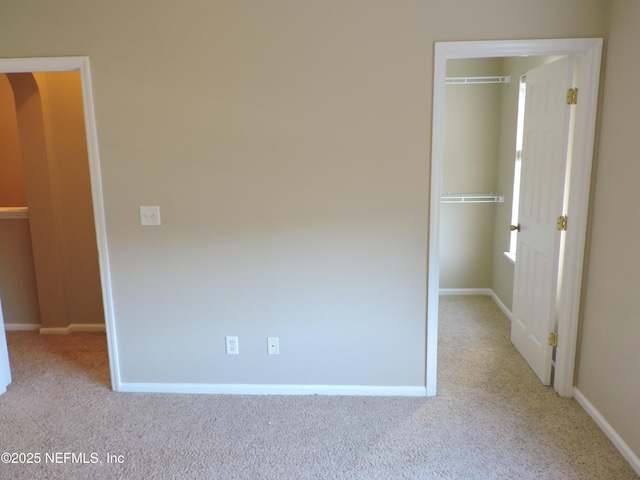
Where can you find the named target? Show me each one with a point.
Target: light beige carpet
(492, 419)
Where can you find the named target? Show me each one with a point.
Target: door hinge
(553, 339)
(572, 96)
(562, 223)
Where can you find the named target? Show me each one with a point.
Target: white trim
(259, 389)
(517, 48)
(101, 223)
(42, 64)
(589, 50)
(22, 327)
(608, 430)
(81, 64)
(73, 327)
(433, 265)
(577, 212)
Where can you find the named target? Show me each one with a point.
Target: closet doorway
(484, 121)
(57, 145)
(588, 52)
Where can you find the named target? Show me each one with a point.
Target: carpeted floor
(492, 419)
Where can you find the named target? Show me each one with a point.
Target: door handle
(514, 227)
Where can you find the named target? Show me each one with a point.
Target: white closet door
(546, 136)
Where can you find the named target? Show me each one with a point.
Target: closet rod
(472, 198)
(14, 212)
(477, 80)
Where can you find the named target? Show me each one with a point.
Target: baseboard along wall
(259, 389)
(597, 417)
(351, 390)
(73, 327)
(22, 327)
(608, 430)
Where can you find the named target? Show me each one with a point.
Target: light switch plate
(149, 215)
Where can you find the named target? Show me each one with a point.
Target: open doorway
(484, 118)
(58, 148)
(589, 53)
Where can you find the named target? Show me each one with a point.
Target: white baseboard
(73, 327)
(478, 291)
(22, 327)
(258, 389)
(501, 306)
(608, 430)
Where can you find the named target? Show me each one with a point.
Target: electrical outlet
(232, 346)
(273, 346)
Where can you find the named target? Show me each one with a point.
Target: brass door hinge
(562, 223)
(572, 96)
(553, 339)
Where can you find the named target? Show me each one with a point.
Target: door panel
(5, 371)
(544, 159)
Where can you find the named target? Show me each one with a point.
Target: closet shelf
(14, 212)
(472, 198)
(477, 80)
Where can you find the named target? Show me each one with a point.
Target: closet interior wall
(472, 132)
(479, 157)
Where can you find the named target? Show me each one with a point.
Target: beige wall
(287, 144)
(609, 351)
(17, 277)
(17, 274)
(45, 243)
(472, 129)
(63, 114)
(12, 189)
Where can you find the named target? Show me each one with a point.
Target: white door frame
(81, 64)
(589, 51)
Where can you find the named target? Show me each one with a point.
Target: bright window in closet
(517, 168)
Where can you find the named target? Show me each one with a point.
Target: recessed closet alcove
(50, 276)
